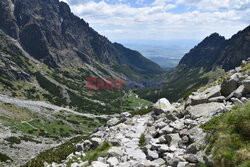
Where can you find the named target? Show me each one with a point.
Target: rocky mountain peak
(51, 33)
(215, 51)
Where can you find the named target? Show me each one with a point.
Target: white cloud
(155, 21)
(217, 4)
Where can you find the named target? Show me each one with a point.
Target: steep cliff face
(234, 50)
(204, 52)
(49, 31)
(214, 51)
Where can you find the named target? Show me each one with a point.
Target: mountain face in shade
(49, 32)
(234, 50)
(214, 51)
(201, 54)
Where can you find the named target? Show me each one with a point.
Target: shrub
(4, 158)
(100, 151)
(56, 154)
(142, 140)
(141, 111)
(13, 140)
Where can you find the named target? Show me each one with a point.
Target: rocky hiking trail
(168, 136)
(36, 106)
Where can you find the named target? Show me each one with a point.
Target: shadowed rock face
(201, 54)
(50, 32)
(214, 51)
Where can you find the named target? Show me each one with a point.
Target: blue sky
(163, 19)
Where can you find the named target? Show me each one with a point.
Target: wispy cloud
(163, 19)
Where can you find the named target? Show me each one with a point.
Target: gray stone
(115, 152)
(243, 100)
(246, 84)
(78, 147)
(126, 115)
(239, 91)
(124, 164)
(202, 97)
(99, 164)
(162, 106)
(163, 148)
(217, 99)
(155, 146)
(166, 130)
(185, 140)
(206, 110)
(162, 140)
(83, 164)
(113, 161)
(96, 142)
(135, 154)
(173, 139)
(190, 158)
(171, 161)
(112, 122)
(230, 84)
(237, 102)
(159, 162)
(192, 149)
(182, 164)
(177, 125)
(152, 155)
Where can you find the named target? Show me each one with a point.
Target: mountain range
(211, 58)
(46, 54)
(51, 33)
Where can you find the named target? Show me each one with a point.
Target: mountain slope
(49, 32)
(202, 54)
(204, 63)
(214, 51)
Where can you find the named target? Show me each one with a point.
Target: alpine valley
(49, 118)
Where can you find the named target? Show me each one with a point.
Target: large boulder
(246, 84)
(202, 97)
(207, 110)
(163, 105)
(112, 122)
(230, 84)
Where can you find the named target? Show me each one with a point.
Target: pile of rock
(172, 133)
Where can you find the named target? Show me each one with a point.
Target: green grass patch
(55, 154)
(230, 137)
(4, 158)
(13, 140)
(29, 139)
(93, 155)
(142, 140)
(52, 89)
(142, 111)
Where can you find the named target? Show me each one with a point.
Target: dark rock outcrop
(50, 32)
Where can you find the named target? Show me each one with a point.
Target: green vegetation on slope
(230, 137)
(46, 123)
(4, 158)
(93, 155)
(55, 154)
(142, 140)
